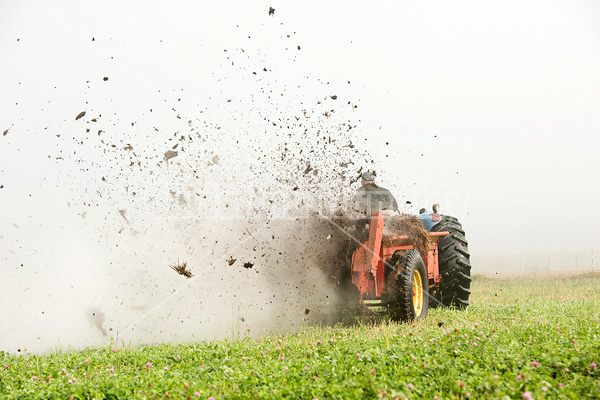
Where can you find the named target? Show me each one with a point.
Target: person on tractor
(371, 197)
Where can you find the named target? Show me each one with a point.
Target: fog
(217, 132)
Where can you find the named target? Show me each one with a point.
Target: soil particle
(124, 215)
(248, 264)
(271, 11)
(182, 269)
(307, 170)
(105, 78)
(170, 154)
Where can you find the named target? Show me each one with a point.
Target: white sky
(492, 110)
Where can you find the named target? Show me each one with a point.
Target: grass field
(521, 338)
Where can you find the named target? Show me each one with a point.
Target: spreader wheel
(454, 262)
(407, 284)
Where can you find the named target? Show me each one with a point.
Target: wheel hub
(417, 287)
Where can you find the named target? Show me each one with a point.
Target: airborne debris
(124, 215)
(310, 150)
(6, 131)
(307, 170)
(170, 154)
(181, 269)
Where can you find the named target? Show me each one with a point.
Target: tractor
(390, 272)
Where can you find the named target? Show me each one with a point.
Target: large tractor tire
(407, 283)
(454, 263)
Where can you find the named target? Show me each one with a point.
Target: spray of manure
(237, 186)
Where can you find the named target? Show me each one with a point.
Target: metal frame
(370, 259)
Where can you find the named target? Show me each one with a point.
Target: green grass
(537, 336)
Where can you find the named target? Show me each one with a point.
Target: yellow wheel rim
(417, 287)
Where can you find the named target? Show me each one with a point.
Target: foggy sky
(489, 109)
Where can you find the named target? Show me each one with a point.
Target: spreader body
(373, 257)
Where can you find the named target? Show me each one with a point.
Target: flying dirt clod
(182, 269)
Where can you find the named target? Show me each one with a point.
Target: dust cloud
(98, 206)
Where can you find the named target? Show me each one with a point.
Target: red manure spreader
(392, 271)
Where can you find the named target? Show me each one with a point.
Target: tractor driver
(371, 197)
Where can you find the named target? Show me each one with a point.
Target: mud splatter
(170, 154)
(182, 269)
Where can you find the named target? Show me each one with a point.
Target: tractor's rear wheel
(454, 263)
(407, 285)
